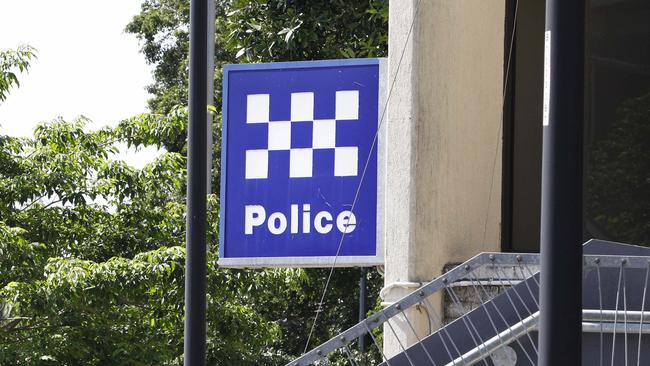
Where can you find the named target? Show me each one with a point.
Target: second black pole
(560, 333)
(362, 306)
(195, 262)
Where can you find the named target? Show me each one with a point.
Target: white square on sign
(257, 164)
(324, 134)
(347, 104)
(300, 163)
(345, 161)
(257, 108)
(302, 106)
(279, 135)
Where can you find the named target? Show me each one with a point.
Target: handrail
(464, 273)
(410, 300)
(531, 323)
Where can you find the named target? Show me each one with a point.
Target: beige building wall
(444, 134)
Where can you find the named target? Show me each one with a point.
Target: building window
(617, 124)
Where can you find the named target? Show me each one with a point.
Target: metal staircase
(495, 298)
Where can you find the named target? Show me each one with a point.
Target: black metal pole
(560, 335)
(362, 306)
(210, 90)
(195, 263)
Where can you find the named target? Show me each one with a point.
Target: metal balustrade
(494, 297)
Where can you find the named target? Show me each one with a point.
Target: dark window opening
(617, 125)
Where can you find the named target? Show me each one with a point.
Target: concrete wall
(443, 142)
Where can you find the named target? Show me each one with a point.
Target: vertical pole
(210, 89)
(560, 333)
(362, 306)
(195, 263)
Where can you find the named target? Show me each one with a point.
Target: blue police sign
(298, 139)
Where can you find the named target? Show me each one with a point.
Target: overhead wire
(374, 144)
(363, 174)
(499, 133)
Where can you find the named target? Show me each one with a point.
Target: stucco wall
(443, 199)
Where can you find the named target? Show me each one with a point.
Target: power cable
(499, 134)
(363, 174)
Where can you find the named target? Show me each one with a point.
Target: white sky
(87, 65)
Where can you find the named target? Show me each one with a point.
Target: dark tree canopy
(618, 179)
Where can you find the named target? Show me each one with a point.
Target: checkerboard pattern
(323, 135)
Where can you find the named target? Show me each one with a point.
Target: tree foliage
(267, 31)
(92, 250)
(618, 179)
(12, 61)
(256, 31)
(92, 260)
(92, 257)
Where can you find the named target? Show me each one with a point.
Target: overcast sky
(87, 65)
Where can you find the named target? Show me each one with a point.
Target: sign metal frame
(380, 146)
